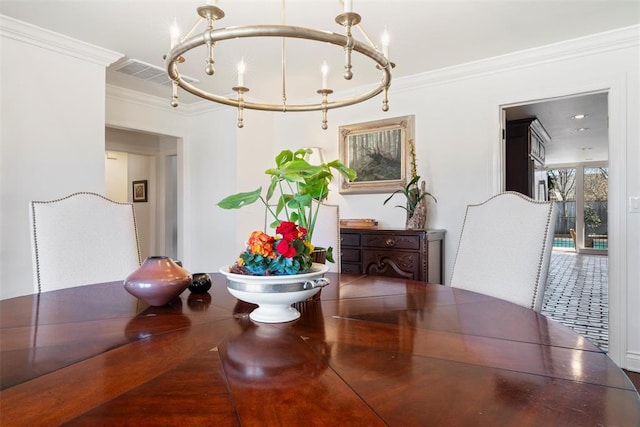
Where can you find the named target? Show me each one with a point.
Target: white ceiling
(425, 35)
(572, 140)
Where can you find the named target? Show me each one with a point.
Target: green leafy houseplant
(415, 195)
(298, 183)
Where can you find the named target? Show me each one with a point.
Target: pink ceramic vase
(157, 281)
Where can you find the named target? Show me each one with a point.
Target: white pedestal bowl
(275, 294)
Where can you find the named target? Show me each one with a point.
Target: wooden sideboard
(408, 254)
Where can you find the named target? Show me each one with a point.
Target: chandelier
(210, 13)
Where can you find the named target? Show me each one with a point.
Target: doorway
(570, 168)
(568, 165)
(138, 156)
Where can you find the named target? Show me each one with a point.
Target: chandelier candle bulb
(385, 43)
(241, 70)
(348, 6)
(174, 32)
(325, 74)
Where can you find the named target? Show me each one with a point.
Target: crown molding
(122, 94)
(621, 38)
(36, 36)
(203, 107)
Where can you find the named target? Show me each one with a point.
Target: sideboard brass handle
(390, 242)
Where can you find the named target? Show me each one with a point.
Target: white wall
(256, 145)
(168, 225)
(212, 173)
(52, 108)
(116, 164)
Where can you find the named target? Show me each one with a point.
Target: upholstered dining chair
(326, 232)
(505, 249)
(81, 239)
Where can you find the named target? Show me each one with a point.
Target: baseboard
(632, 361)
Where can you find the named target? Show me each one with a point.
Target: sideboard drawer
(350, 255)
(349, 239)
(387, 241)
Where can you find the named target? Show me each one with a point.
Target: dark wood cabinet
(409, 254)
(524, 150)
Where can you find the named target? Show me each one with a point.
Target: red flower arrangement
(288, 252)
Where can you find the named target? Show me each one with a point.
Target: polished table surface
(372, 352)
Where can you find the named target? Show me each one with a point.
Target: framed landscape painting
(378, 152)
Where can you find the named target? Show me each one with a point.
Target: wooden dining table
(372, 351)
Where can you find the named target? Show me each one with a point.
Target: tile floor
(577, 294)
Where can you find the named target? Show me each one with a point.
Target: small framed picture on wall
(140, 191)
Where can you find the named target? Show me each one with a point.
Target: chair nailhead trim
(35, 234)
(544, 242)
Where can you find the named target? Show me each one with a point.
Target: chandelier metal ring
(175, 56)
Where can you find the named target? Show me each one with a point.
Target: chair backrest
(325, 234)
(505, 248)
(81, 239)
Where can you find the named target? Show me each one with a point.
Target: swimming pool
(567, 242)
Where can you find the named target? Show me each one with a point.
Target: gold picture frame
(378, 151)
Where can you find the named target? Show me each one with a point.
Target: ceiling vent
(147, 72)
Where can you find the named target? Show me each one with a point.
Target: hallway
(577, 294)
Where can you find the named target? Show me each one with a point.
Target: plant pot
(319, 255)
(419, 218)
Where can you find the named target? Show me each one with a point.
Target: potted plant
(416, 203)
(299, 183)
